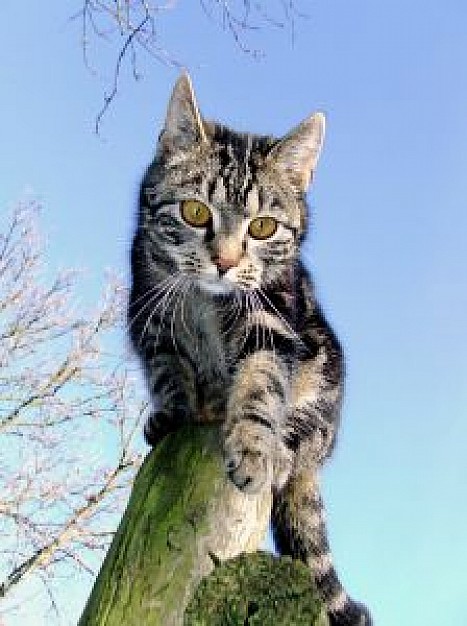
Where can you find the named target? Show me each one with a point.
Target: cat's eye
(262, 227)
(195, 213)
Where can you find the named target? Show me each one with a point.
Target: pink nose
(224, 263)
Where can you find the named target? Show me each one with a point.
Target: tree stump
(185, 517)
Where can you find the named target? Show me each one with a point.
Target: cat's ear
(183, 124)
(297, 153)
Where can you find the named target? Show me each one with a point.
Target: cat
(224, 317)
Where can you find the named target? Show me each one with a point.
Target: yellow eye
(195, 213)
(262, 227)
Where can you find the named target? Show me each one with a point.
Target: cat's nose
(224, 263)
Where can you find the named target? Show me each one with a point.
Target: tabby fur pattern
(224, 317)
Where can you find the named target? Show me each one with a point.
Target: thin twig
(109, 99)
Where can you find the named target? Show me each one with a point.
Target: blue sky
(388, 246)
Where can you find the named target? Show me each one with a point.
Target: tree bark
(183, 520)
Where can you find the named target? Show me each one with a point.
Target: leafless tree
(135, 25)
(70, 413)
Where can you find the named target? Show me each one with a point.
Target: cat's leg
(254, 452)
(299, 529)
(172, 381)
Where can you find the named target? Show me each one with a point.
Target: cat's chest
(202, 334)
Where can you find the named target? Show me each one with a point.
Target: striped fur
(227, 325)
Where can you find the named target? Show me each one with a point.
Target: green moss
(152, 558)
(256, 589)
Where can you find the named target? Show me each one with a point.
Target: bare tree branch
(70, 416)
(134, 26)
(128, 44)
(67, 532)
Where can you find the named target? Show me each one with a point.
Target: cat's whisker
(177, 302)
(264, 323)
(158, 285)
(249, 313)
(238, 304)
(163, 304)
(235, 310)
(148, 304)
(258, 319)
(255, 319)
(183, 320)
(148, 321)
(267, 328)
(245, 316)
(231, 309)
(258, 316)
(282, 318)
(172, 321)
(155, 292)
(168, 300)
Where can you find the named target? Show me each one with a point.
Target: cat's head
(223, 208)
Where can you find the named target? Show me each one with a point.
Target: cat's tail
(300, 531)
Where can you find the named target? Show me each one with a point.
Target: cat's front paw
(248, 458)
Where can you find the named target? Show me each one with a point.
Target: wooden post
(184, 516)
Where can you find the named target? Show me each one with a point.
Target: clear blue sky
(388, 248)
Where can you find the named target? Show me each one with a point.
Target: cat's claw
(249, 469)
(252, 473)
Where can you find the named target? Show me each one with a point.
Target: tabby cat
(224, 317)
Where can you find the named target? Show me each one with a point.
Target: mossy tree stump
(183, 517)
